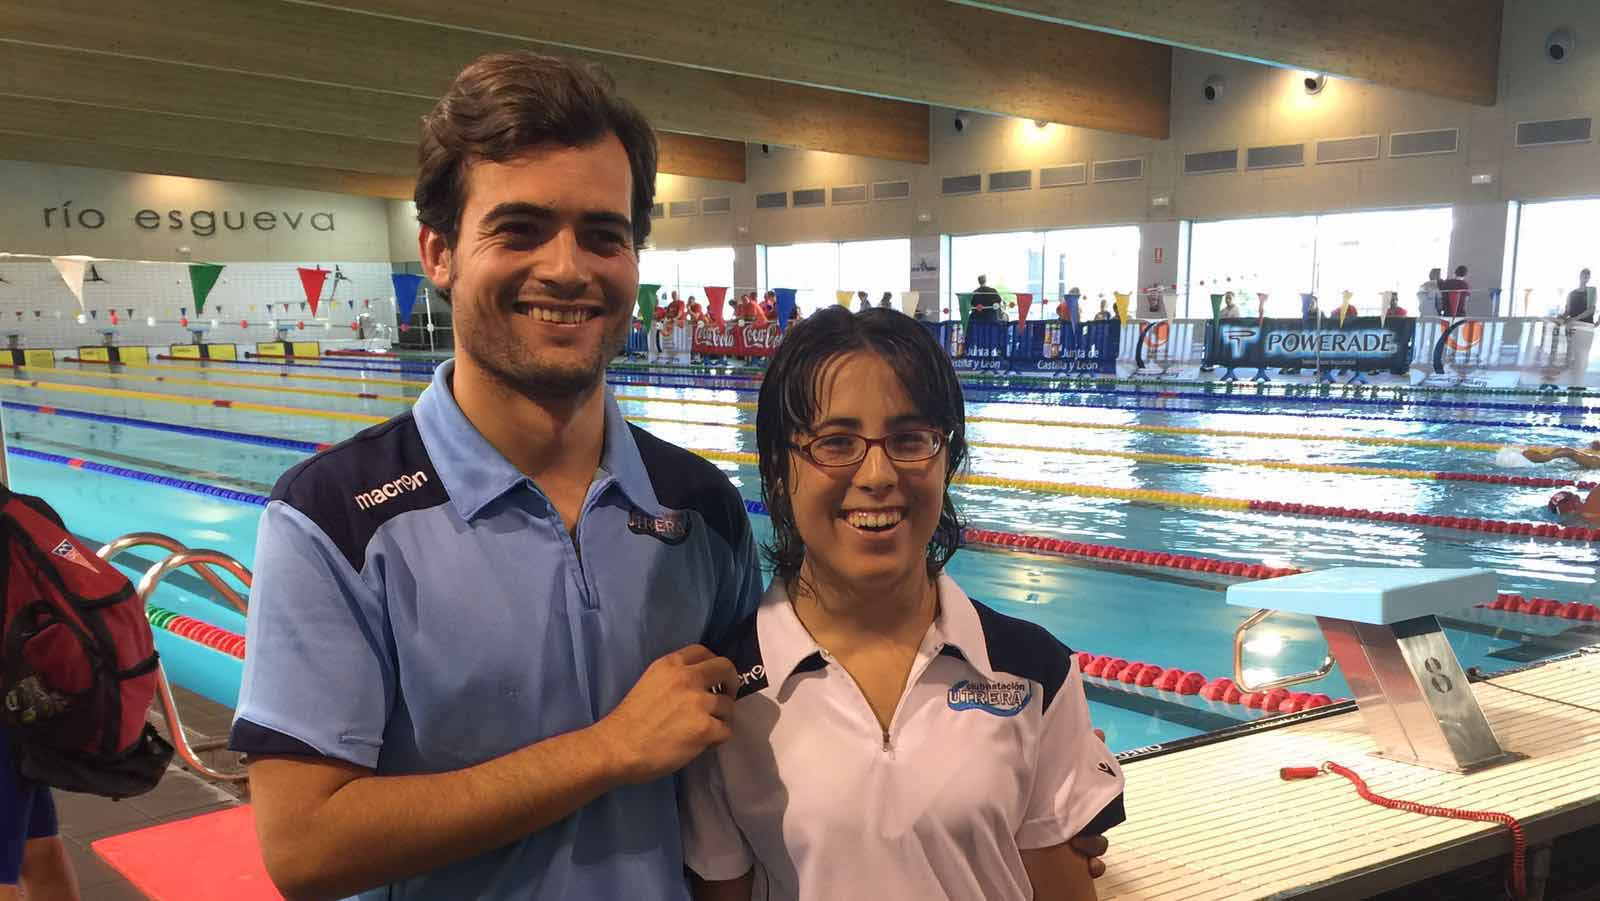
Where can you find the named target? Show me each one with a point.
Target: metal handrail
(140, 539)
(201, 560)
(1253, 620)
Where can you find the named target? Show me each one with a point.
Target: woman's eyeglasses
(847, 449)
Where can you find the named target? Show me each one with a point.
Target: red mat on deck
(213, 857)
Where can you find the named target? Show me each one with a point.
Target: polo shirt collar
(786, 644)
(475, 474)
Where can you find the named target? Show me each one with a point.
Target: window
(1364, 253)
(1096, 261)
(687, 271)
(818, 271)
(1553, 245)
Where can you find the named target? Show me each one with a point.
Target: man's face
(543, 276)
(1583, 279)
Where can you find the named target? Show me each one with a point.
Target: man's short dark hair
(791, 401)
(1461, 272)
(505, 104)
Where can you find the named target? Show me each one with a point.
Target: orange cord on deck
(1519, 839)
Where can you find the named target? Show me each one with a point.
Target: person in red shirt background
(1394, 308)
(674, 309)
(697, 313)
(769, 307)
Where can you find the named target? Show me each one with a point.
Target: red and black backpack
(77, 661)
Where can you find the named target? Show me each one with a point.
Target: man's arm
(329, 829)
(1057, 873)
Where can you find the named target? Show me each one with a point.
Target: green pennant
(647, 303)
(202, 278)
(966, 306)
(1216, 306)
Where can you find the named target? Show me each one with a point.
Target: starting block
(1383, 633)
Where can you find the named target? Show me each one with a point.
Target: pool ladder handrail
(1255, 619)
(201, 560)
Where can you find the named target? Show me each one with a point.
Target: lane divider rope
(251, 373)
(207, 383)
(158, 397)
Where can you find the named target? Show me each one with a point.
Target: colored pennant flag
(715, 298)
(405, 295)
(94, 314)
(1071, 300)
(786, 302)
(647, 304)
(1122, 305)
(1216, 307)
(965, 299)
(71, 269)
(202, 278)
(1344, 307)
(311, 281)
(1383, 308)
(844, 298)
(909, 300)
(1308, 305)
(1261, 306)
(1024, 303)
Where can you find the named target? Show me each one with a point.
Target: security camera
(765, 150)
(1558, 46)
(1213, 88)
(961, 124)
(1314, 83)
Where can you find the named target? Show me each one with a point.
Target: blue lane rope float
(122, 472)
(309, 447)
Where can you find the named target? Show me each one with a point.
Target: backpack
(77, 661)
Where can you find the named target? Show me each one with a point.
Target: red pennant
(1024, 302)
(715, 297)
(311, 280)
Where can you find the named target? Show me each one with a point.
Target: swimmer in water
(1586, 458)
(1569, 507)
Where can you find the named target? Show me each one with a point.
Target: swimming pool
(1149, 469)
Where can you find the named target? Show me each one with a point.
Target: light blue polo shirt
(419, 607)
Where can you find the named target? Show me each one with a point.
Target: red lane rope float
(1190, 682)
(1462, 523)
(197, 631)
(1519, 838)
(1506, 601)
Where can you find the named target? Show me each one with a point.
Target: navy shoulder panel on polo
(1025, 649)
(742, 647)
(685, 481)
(354, 487)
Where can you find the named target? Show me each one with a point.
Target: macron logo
(386, 492)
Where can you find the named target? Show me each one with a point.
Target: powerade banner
(737, 340)
(1361, 342)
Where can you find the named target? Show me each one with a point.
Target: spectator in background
(1581, 301)
(696, 311)
(1428, 296)
(985, 302)
(1230, 310)
(886, 302)
(1347, 309)
(1104, 313)
(864, 303)
(769, 307)
(674, 310)
(1394, 308)
(1454, 291)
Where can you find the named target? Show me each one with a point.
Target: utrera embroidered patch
(998, 698)
(671, 527)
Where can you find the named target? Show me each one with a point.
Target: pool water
(1018, 434)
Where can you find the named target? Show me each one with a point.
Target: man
(1581, 301)
(985, 302)
(768, 307)
(1453, 293)
(1394, 309)
(864, 303)
(475, 630)
(674, 310)
(886, 302)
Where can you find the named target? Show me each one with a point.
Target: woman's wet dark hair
(790, 403)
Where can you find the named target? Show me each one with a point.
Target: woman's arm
(737, 889)
(1057, 873)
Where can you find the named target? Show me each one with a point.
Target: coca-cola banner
(736, 340)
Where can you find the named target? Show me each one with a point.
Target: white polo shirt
(989, 752)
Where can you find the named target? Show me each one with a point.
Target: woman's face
(870, 522)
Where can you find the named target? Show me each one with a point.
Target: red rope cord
(1519, 839)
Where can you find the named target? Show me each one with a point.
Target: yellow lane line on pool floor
(265, 374)
(204, 383)
(1343, 469)
(193, 401)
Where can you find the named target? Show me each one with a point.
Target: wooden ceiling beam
(916, 50)
(332, 48)
(1447, 48)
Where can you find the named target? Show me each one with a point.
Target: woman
(891, 738)
(32, 854)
